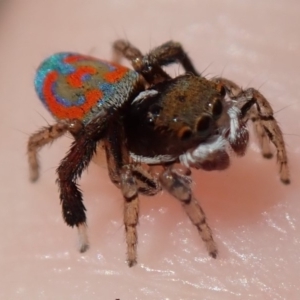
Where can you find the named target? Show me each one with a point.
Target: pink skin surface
(255, 218)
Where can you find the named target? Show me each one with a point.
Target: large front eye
(203, 124)
(216, 108)
(185, 133)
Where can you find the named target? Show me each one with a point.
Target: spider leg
(122, 48)
(253, 105)
(120, 172)
(150, 65)
(131, 212)
(169, 53)
(48, 135)
(179, 187)
(150, 70)
(131, 179)
(262, 114)
(147, 183)
(134, 180)
(71, 168)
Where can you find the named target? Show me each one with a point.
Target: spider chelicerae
(143, 118)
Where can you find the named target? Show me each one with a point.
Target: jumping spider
(145, 117)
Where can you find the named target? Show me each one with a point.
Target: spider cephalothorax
(144, 117)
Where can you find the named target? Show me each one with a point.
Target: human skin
(254, 217)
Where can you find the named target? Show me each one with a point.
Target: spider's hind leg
(48, 135)
(70, 170)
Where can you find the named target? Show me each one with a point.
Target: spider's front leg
(179, 187)
(70, 169)
(251, 104)
(262, 114)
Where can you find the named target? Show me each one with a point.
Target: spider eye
(185, 133)
(222, 91)
(203, 124)
(155, 110)
(153, 113)
(217, 108)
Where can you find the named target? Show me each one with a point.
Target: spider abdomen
(75, 86)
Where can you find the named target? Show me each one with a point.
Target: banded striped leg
(255, 106)
(131, 179)
(134, 180)
(120, 173)
(131, 212)
(179, 187)
(148, 184)
(262, 113)
(44, 136)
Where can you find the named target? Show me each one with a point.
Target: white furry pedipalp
(234, 115)
(205, 150)
(144, 95)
